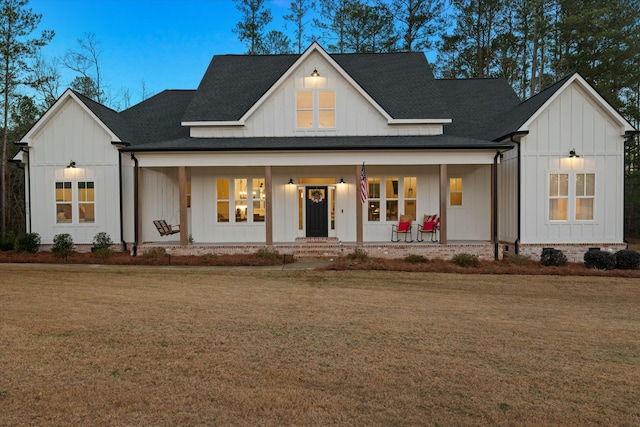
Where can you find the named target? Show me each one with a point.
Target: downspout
(495, 205)
(124, 243)
(135, 204)
(27, 173)
(516, 244)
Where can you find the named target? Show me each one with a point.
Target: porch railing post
(268, 206)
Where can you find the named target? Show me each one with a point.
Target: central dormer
(317, 94)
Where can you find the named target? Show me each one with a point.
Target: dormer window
(315, 109)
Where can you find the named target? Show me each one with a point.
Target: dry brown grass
(105, 345)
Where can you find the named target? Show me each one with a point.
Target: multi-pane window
(315, 109)
(455, 191)
(222, 194)
(86, 202)
(558, 196)
(75, 202)
(391, 188)
(410, 196)
(259, 199)
(242, 199)
(585, 196)
(64, 202)
(373, 203)
(395, 195)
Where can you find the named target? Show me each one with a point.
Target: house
(269, 151)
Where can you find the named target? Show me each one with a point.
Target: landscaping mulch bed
(505, 266)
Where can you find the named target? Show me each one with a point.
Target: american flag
(364, 188)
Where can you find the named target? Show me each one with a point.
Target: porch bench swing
(165, 229)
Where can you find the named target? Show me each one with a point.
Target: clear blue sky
(166, 43)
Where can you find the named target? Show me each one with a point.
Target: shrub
(553, 257)
(7, 241)
(415, 259)
(102, 241)
(62, 245)
(156, 252)
(29, 242)
(266, 253)
(359, 255)
(600, 260)
(627, 260)
(466, 260)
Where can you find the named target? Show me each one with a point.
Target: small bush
(29, 242)
(359, 255)
(600, 260)
(266, 253)
(62, 245)
(627, 260)
(102, 241)
(415, 259)
(553, 257)
(8, 241)
(466, 260)
(156, 252)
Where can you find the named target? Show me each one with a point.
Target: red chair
(431, 225)
(403, 227)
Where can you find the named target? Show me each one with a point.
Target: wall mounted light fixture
(315, 73)
(291, 181)
(341, 180)
(573, 154)
(72, 164)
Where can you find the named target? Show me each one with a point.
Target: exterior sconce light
(291, 181)
(341, 180)
(315, 73)
(573, 154)
(72, 164)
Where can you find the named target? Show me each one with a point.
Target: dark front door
(317, 212)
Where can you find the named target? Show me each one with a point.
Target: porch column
(358, 207)
(268, 206)
(184, 216)
(443, 204)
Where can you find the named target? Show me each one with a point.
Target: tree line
(530, 43)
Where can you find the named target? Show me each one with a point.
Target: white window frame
(571, 197)
(315, 109)
(75, 202)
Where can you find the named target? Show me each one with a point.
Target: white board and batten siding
(574, 120)
(72, 134)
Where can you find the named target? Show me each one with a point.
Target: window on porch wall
(259, 199)
(455, 191)
(391, 193)
(222, 191)
(373, 203)
(410, 195)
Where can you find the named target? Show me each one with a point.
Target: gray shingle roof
(233, 83)
(158, 118)
(475, 104)
(320, 143)
(402, 83)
